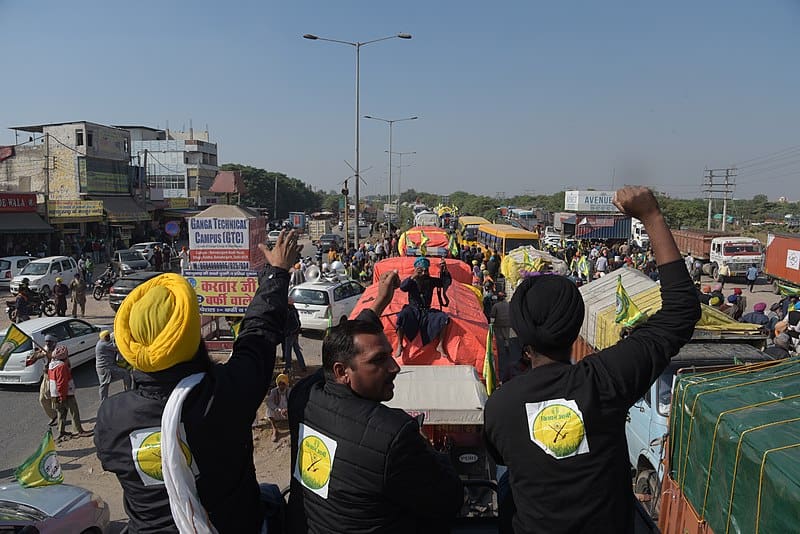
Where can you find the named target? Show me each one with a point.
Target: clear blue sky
(512, 96)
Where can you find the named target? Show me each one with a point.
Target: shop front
(127, 220)
(22, 230)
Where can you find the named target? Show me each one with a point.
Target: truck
(714, 248)
(318, 227)
(717, 340)
(426, 218)
(639, 236)
(733, 460)
(782, 262)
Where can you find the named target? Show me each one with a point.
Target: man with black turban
(417, 317)
(560, 428)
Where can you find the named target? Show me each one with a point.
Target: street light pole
(390, 122)
(400, 155)
(357, 45)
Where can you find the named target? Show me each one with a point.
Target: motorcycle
(38, 304)
(102, 286)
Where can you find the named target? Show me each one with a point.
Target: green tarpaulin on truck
(735, 445)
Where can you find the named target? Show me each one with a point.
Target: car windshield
(35, 268)
(5, 264)
(309, 296)
(743, 249)
(22, 348)
(328, 237)
(511, 244)
(139, 247)
(129, 256)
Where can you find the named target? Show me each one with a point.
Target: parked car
(325, 302)
(42, 273)
(128, 261)
(326, 241)
(77, 335)
(124, 286)
(10, 266)
(149, 247)
(272, 237)
(51, 509)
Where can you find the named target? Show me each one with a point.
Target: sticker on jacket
(146, 452)
(314, 460)
(556, 426)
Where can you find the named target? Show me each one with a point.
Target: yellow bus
(468, 229)
(504, 238)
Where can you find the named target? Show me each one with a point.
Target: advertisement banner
(599, 201)
(221, 234)
(70, 209)
(223, 292)
(258, 234)
(16, 202)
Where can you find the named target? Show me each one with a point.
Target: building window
(78, 137)
(162, 181)
(89, 138)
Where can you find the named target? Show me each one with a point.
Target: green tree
(293, 194)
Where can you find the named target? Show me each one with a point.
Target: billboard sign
(599, 201)
(223, 292)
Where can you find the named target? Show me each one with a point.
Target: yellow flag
(628, 314)
(43, 467)
(13, 340)
(489, 375)
(423, 243)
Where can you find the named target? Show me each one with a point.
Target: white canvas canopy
(446, 394)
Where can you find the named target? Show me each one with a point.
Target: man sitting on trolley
(417, 317)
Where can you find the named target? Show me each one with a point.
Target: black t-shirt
(560, 428)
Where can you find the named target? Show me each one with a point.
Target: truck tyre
(647, 486)
(775, 288)
(715, 272)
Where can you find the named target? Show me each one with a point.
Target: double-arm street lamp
(357, 45)
(390, 122)
(400, 166)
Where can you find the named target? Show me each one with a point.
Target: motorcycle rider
(60, 291)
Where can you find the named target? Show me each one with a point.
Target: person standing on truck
(560, 428)
(752, 276)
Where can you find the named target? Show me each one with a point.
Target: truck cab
(647, 424)
(738, 253)
(639, 236)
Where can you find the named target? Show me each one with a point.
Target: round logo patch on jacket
(557, 427)
(314, 462)
(146, 452)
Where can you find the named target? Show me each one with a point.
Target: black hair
(339, 344)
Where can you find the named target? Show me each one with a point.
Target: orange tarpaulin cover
(437, 244)
(466, 337)
(404, 265)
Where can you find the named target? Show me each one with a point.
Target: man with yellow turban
(180, 442)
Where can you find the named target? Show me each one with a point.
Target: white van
(42, 273)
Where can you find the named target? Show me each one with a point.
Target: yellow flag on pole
(489, 375)
(13, 340)
(423, 243)
(43, 467)
(628, 313)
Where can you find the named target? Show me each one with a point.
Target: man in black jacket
(560, 428)
(357, 465)
(157, 330)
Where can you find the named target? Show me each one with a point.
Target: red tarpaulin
(466, 338)
(404, 265)
(437, 245)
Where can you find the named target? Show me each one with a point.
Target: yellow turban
(282, 378)
(158, 324)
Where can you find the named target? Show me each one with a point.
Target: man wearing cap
(757, 316)
(60, 291)
(50, 344)
(278, 403)
(105, 353)
(181, 442)
(417, 317)
(78, 289)
(560, 428)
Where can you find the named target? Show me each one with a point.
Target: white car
(272, 237)
(78, 336)
(56, 508)
(10, 266)
(42, 273)
(149, 247)
(325, 302)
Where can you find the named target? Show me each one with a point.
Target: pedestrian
(782, 348)
(88, 266)
(181, 392)
(751, 275)
(158, 259)
(62, 392)
(360, 466)
(560, 428)
(184, 256)
(291, 340)
(723, 274)
(278, 403)
(500, 317)
(45, 353)
(60, 292)
(106, 365)
(78, 290)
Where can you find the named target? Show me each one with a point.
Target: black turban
(547, 313)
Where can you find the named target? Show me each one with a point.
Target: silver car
(51, 509)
